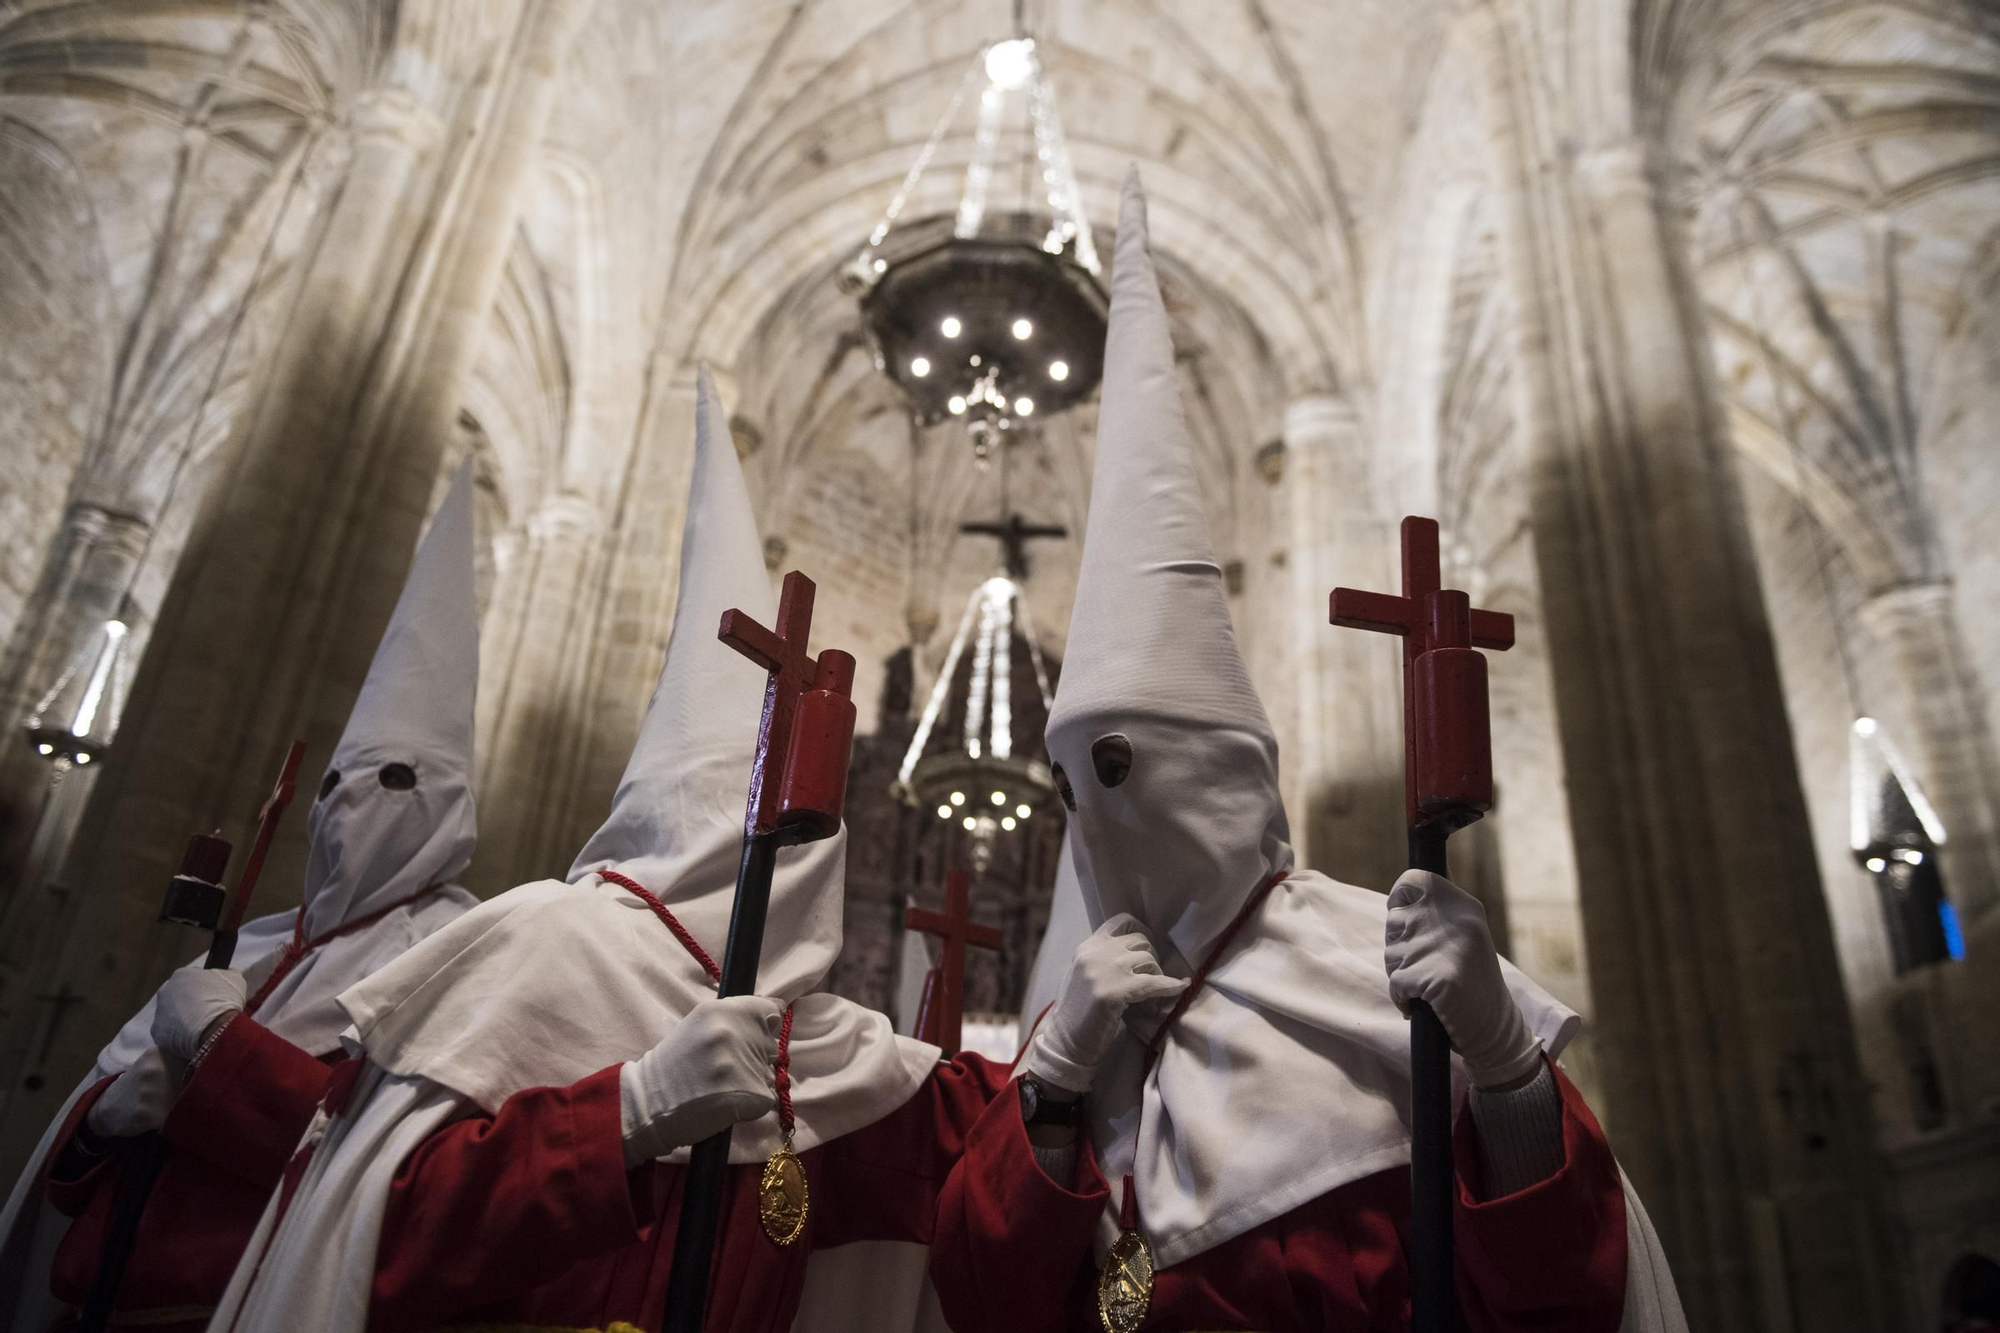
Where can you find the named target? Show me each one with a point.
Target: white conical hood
(676, 824)
(1197, 825)
(372, 842)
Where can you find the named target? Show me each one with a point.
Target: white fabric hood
(373, 842)
(553, 981)
(1294, 1046)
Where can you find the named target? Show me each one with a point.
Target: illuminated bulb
(83, 759)
(45, 749)
(1024, 329)
(1876, 865)
(1909, 856)
(958, 798)
(1011, 64)
(970, 823)
(1007, 822)
(1024, 407)
(951, 328)
(1864, 726)
(975, 358)
(1058, 370)
(1023, 811)
(999, 798)
(920, 366)
(881, 266)
(944, 812)
(957, 405)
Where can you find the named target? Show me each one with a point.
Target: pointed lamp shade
(73, 722)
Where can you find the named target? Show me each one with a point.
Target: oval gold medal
(1125, 1286)
(782, 1197)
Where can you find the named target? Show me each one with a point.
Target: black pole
(708, 1161)
(1433, 1298)
(144, 1157)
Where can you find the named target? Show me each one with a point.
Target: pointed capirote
(1152, 657)
(676, 823)
(373, 840)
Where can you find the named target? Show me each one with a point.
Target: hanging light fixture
(1000, 313)
(74, 721)
(978, 781)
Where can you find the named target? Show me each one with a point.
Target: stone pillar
(531, 668)
(1723, 1032)
(1916, 681)
(299, 548)
(1344, 757)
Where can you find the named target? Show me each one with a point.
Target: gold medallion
(782, 1196)
(1125, 1286)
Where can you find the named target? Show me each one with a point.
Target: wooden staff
(1447, 784)
(194, 898)
(798, 787)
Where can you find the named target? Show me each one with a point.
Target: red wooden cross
(267, 827)
(941, 1021)
(784, 655)
(1448, 760)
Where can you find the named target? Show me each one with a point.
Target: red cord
(298, 948)
(693, 946)
(688, 942)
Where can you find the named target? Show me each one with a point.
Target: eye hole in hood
(328, 783)
(1064, 790)
(397, 777)
(1111, 757)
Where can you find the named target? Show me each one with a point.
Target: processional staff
(1447, 784)
(941, 1016)
(195, 897)
(798, 787)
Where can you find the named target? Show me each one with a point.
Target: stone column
(299, 548)
(1915, 679)
(1344, 758)
(1722, 1025)
(531, 669)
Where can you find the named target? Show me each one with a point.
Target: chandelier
(73, 722)
(980, 782)
(998, 316)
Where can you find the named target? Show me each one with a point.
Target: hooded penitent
(391, 825)
(1294, 1045)
(553, 981)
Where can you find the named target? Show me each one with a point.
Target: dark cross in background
(941, 1019)
(1014, 533)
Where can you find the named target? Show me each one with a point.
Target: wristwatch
(1043, 1105)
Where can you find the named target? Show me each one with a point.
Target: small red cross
(784, 655)
(941, 1021)
(1448, 757)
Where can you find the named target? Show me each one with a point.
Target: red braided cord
(693, 946)
(688, 942)
(784, 1067)
(298, 948)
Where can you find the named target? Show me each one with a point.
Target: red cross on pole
(1447, 784)
(941, 1020)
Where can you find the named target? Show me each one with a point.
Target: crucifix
(1014, 533)
(798, 787)
(940, 1020)
(1447, 784)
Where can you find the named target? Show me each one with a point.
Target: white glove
(1437, 949)
(137, 1100)
(711, 1071)
(193, 1000)
(1113, 970)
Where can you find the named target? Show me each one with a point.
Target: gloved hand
(1437, 949)
(137, 1100)
(193, 1000)
(711, 1071)
(1113, 970)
